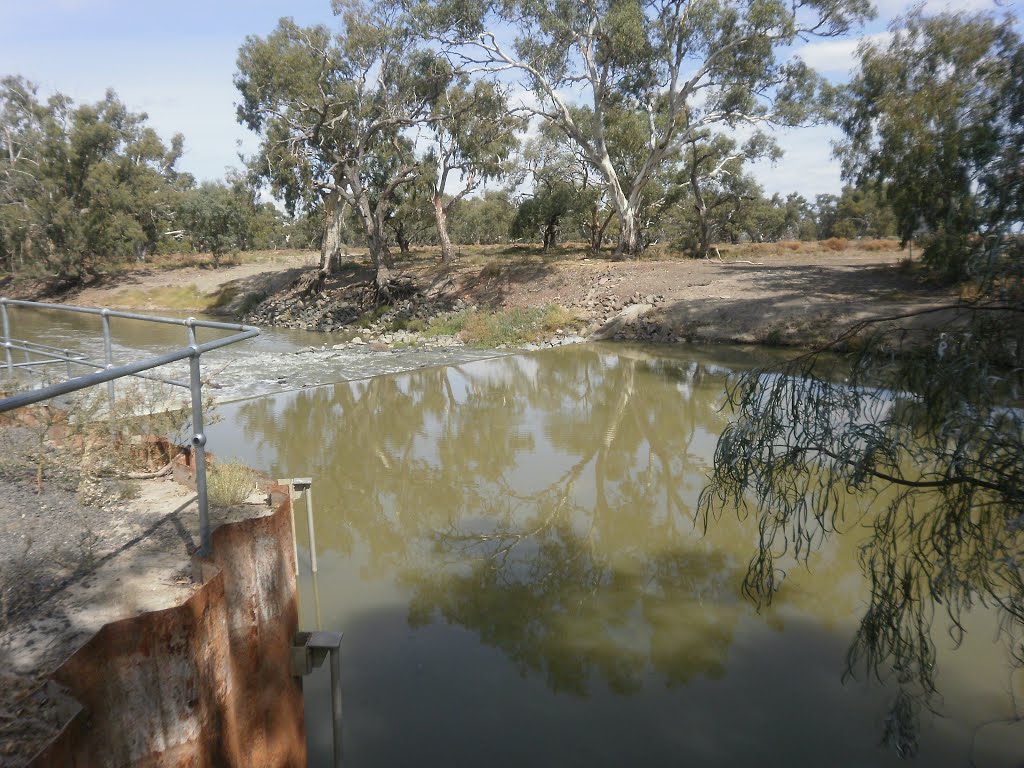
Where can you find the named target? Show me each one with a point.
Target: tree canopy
(332, 111)
(934, 118)
(679, 67)
(80, 185)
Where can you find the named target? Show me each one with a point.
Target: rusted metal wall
(204, 684)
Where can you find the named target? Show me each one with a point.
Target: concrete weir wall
(206, 683)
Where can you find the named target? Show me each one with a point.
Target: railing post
(108, 353)
(198, 439)
(7, 338)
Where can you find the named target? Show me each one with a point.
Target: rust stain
(206, 683)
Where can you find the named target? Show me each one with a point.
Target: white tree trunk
(331, 248)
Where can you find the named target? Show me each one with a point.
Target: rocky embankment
(418, 317)
(800, 295)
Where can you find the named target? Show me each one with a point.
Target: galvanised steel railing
(38, 355)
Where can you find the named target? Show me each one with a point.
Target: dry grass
(515, 325)
(169, 297)
(879, 245)
(229, 484)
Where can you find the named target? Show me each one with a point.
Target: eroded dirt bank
(794, 297)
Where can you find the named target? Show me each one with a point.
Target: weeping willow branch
(920, 445)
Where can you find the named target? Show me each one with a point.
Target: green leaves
(79, 186)
(931, 117)
(674, 69)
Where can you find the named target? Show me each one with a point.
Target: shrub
(880, 245)
(447, 325)
(490, 270)
(229, 484)
(834, 244)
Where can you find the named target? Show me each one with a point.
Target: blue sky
(175, 61)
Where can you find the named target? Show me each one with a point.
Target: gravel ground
(75, 554)
(46, 533)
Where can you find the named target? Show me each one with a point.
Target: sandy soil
(801, 298)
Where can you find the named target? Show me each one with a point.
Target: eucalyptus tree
(856, 212)
(710, 178)
(216, 218)
(473, 137)
(933, 118)
(682, 67)
(22, 127)
(563, 187)
(80, 185)
(334, 112)
(412, 218)
(483, 220)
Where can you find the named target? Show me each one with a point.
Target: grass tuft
(517, 325)
(229, 484)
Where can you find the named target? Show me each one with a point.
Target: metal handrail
(110, 372)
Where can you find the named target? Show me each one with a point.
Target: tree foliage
(473, 136)
(483, 220)
(856, 212)
(711, 184)
(80, 186)
(333, 112)
(564, 192)
(680, 68)
(934, 118)
(926, 424)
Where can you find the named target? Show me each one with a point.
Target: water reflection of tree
(545, 503)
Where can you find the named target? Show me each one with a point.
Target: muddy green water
(509, 547)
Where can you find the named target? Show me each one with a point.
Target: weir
(215, 680)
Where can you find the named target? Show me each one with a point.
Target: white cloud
(890, 8)
(837, 57)
(806, 166)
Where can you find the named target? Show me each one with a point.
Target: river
(509, 545)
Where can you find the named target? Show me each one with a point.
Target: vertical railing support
(198, 439)
(295, 485)
(295, 537)
(7, 338)
(309, 522)
(108, 354)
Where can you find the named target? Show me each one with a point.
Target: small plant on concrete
(229, 484)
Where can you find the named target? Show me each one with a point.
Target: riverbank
(782, 294)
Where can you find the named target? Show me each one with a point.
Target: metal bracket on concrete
(309, 649)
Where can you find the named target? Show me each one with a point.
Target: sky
(175, 62)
